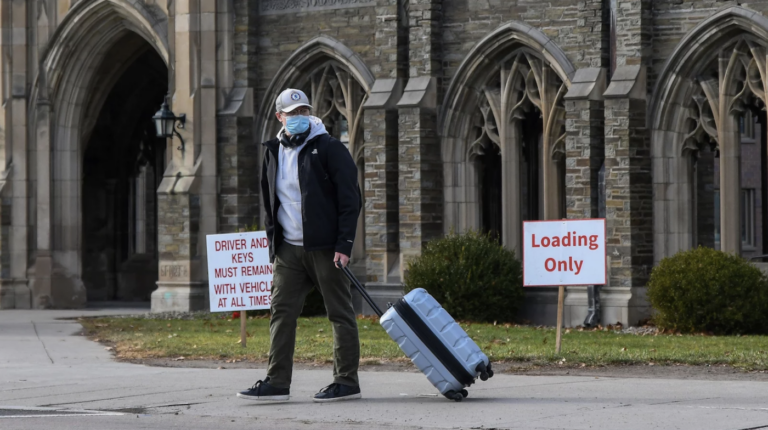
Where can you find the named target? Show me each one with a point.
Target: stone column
(239, 167)
(420, 165)
(207, 39)
(585, 150)
(729, 139)
(629, 197)
(628, 180)
(7, 291)
(380, 125)
(381, 186)
(42, 284)
(187, 196)
(551, 115)
(14, 289)
(421, 171)
(239, 164)
(511, 188)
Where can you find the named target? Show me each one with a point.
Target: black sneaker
(337, 392)
(262, 390)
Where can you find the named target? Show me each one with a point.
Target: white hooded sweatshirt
(287, 187)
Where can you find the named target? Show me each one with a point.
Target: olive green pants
(295, 271)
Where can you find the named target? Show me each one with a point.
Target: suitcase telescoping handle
(360, 288)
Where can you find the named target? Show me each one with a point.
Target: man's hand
(342, 258)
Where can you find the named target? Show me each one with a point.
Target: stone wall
(238, 168)
(381, 192)
(576, 27)
(420, 179)
(246, 42)
(389, 66)
(673, 19)
(585, 151)
(279, 35)
(178, 240)
(237, 156)
(180, 262)
(629, 194)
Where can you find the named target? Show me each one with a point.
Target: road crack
(41, 341)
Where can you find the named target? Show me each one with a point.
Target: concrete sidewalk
(43, 363)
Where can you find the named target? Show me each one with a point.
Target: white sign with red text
(562, 253)
(239, 272)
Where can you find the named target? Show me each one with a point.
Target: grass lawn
(217, 338)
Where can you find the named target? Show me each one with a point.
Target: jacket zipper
(274, 183)
(301, 188)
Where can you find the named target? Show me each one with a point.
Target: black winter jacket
(330, 195)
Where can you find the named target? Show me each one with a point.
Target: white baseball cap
(291, 99)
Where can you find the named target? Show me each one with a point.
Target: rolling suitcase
(434, 342)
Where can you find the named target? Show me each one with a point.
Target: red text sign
(239, 272)
(563, 253)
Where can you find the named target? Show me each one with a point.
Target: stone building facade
(461, 114)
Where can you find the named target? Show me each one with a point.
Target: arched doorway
(123, 164)
(102, 76)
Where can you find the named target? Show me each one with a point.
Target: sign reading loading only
(562, 253)
(239, 272)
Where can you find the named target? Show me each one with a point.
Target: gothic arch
(322, 57)
(476, 67)
(77, 70)
(715, 74)
(512, 73)
(83, 38)
(691, 55)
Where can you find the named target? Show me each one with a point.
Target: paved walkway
(44, 364)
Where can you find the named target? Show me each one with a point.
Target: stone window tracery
(337, 99)
(725, 108)
(520, 114)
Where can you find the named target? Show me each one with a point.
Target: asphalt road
(52, 378)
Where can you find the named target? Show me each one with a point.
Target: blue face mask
(297, 124)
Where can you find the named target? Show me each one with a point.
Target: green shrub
(471, 275)
(704, 290)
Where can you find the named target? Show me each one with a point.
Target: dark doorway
(532, 134)
(489, 169)
(122, 168)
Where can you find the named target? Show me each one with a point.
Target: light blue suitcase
(434, 342)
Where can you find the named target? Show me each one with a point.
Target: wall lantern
(165, 123)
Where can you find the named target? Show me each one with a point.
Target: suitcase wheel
(464, 393)
(485, 372)
(453, 395)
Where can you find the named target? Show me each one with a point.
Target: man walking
(311, 198)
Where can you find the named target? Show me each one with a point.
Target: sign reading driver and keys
(561, 253)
